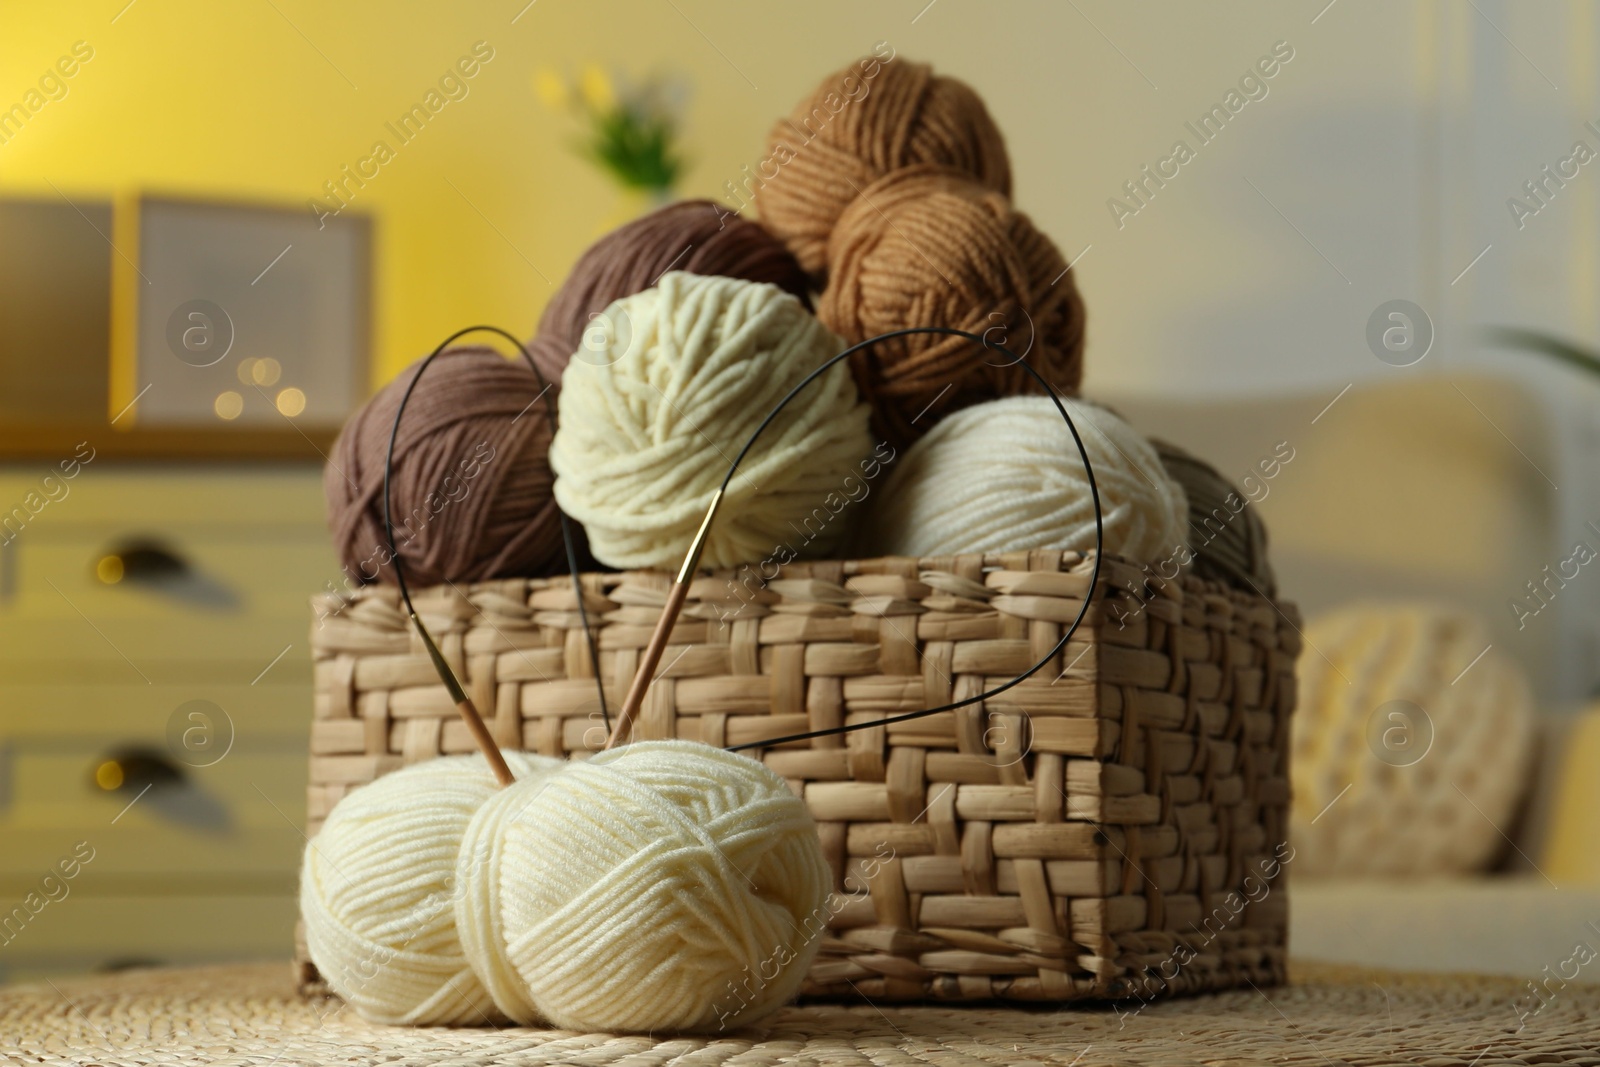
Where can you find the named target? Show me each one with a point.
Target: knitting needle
(469, 710)
(658, 640)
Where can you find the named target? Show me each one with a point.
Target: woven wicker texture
(1121, 811)
(1329, 1016)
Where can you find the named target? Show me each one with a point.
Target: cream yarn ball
(1006, 475)
(670, 384)
(660, 886)
(377, 891)
(1435, 760)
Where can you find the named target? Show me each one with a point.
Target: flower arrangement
(629, 130)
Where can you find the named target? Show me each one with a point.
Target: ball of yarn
(859, 124)
(1433, 747)
(1227, 536)
(928, 246)
(697, 236)
(663, 885)
(472, 484)
(684, 373)
(1006, 475)
(377, 892)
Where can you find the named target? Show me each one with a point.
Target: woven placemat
(1329, 1017)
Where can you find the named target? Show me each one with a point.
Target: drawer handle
(132, 770)
(146, 776)
(147, 563)
(141, 562)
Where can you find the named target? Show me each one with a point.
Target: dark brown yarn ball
(1226, 534)
(472, 482)
(697, 236)
(859, 124)
(928, 246)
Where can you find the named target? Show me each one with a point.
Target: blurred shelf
(56, 442)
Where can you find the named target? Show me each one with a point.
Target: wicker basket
(1114, 826)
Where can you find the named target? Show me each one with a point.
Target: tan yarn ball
(1436, 760)
(928, 246)
(681, 376)
(859, 124)
(1006, 475)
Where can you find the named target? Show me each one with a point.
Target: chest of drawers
(195, 683)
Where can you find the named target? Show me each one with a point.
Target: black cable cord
(566, 524)
(863, 346)
(1094, 492)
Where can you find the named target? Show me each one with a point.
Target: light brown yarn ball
(927, 246)
(859, 124)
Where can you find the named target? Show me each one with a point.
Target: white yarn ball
(1413, 743)
(1006, 475)
(664, 885)
(377, 891)
(670, 385)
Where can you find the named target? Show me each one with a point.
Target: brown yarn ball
(697, 236)
(928, 246)
(836, 142)
(472, 482)
(1226, 534)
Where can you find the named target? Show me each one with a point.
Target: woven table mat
(1328, 1016)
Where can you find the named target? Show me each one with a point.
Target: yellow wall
(196, 97)
(236, 99)
(246, 97)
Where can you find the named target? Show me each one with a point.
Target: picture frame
(238, 322)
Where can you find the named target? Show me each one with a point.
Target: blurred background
(330, 187)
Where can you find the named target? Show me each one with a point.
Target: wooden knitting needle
(658, 640)
(469, 711)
